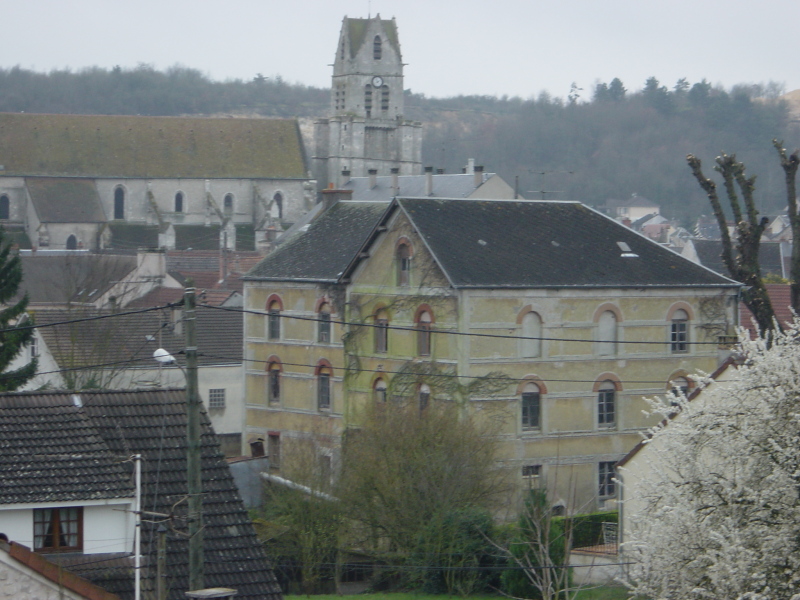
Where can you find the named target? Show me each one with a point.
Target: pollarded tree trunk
(790, 165)
(743, 265)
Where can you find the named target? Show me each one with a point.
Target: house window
(274, 450)
(33, 347)
(679, 331)
(606, 486)
(376, 48)
(532, 473)
(324, 373)
(216, 398)
(324, 324)
(278, 200)
(5, 207)
(607, 334)
(72, 243)
(606, 404)
(403, 265)
(119, 203)
(531, 334)
(58, 529)
(381, 330)
(531, 406)
(274, 320)
(424, 397)
(179, 202)
(227, 204)
(274, 383)
(379, 390)
(424, 327)
(680, 385)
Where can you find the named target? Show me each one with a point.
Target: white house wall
(107, 526)
(19, 582)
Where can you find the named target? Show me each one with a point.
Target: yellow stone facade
(477, 332)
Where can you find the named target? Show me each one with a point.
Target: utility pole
(193, 467)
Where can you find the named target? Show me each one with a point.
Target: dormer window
(403, 265)
(377, 50)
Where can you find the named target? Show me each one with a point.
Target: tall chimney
(470, 166)
(395, 181)
(478, 176)
(429, 181)
(373, 178)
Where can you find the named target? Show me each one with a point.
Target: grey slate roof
(710, 254)
(324, 251)
(492, 243)
(52, 452)
(153, 423)
(123, 339)
(65, 200)
(530, 244)
(72, 277)
(443, 186)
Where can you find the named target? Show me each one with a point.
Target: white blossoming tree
(718, 499)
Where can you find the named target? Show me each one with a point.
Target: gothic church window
(119, 203)
(376, 48)
(228, 204)
(385, 98)
(179, 202)
(72, 243)
(368, 99)
(278, 200)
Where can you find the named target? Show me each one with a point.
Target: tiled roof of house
(56, 574)
(65, 200)
(153, 423)
(132, 236)
(54, 453)
(710, 254)
(443, 186)
(544, 244)
(73, 277)
(125, 341)
(149, 147)
(323, 252)
(780, 296)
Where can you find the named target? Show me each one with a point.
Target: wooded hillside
(599, 144)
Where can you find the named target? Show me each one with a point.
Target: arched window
(5, 207)
(227, 204)
(531, 406)
(324, 324)
(119, 203)
(531, 334)
(424, 327)
(607, 334)
(607, 404)
(72, 243)
(179, 202)
(368, 99)
(324, 375)
(274, 320)
(381, 330)
(379, 390)
(278, 200)
(424, 396)
(680, 385)
(679, 331)
(274, 382)
(403, 264)
(377, 50)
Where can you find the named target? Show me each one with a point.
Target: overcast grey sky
(514, 47)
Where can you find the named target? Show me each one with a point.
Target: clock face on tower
(377, 81)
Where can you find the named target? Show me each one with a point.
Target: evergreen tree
(13, 335)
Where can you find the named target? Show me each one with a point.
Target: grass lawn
(600, 593)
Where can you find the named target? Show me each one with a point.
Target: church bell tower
(366, 128)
